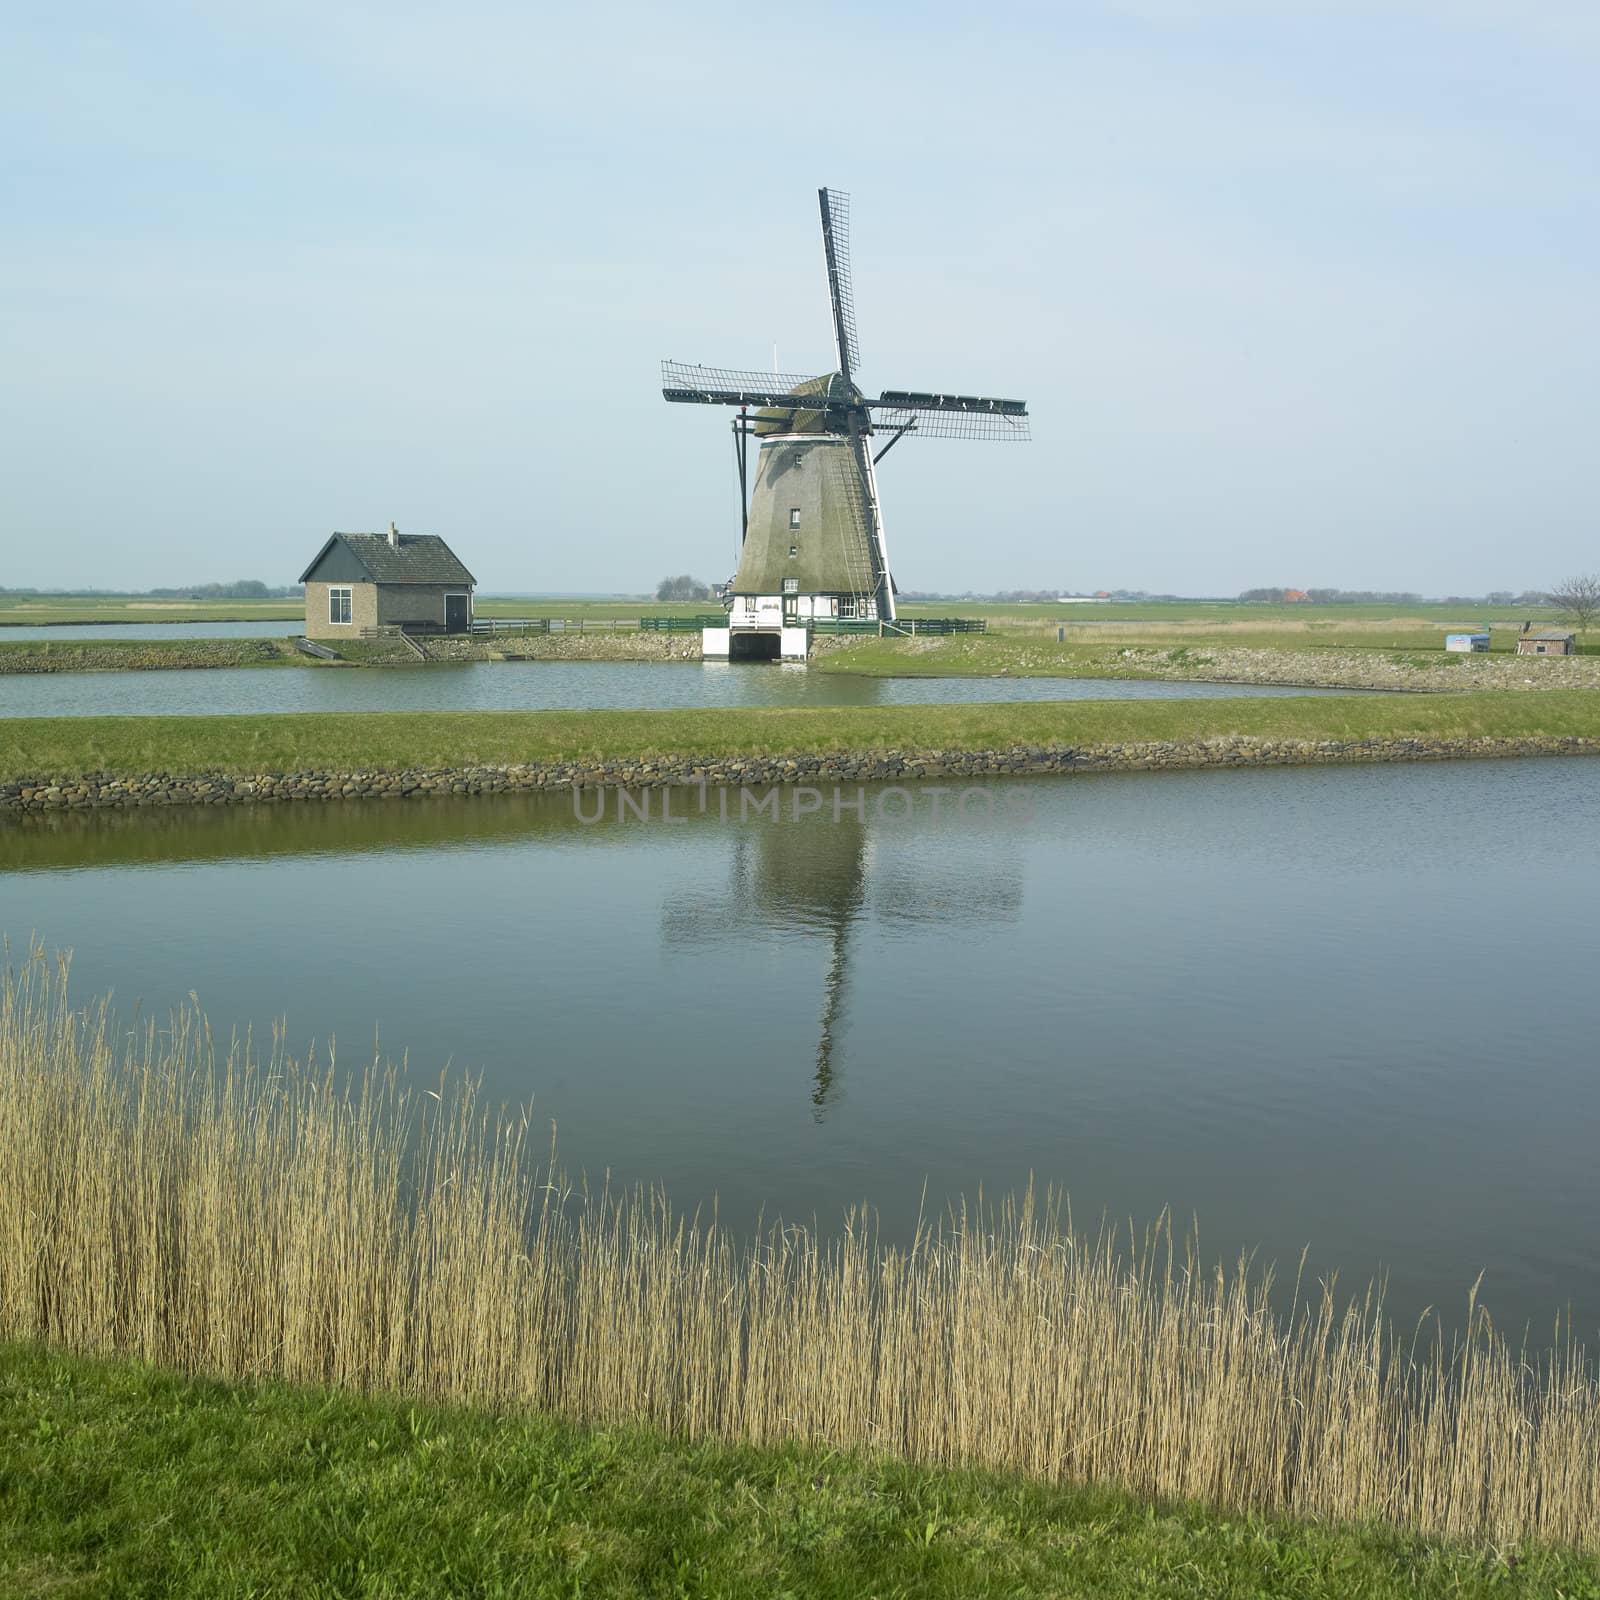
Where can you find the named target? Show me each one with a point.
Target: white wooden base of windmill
(813, 554)
(717, 644)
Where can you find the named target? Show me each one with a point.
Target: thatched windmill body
(813, 549)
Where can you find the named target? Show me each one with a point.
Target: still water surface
(1352, 1008)
(541, 686)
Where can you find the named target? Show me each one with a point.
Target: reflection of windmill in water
(812, 544)
(812, 878)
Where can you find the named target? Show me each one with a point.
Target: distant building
(1296, 595)
(1477, 642)
(411, 581)
(1547, 642)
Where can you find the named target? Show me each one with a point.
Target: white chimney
(394, 536)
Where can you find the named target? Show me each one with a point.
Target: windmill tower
(812, 541)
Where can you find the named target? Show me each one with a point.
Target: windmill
(812, 545)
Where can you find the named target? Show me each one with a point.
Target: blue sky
(1298, 293)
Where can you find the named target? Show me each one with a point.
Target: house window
(794, 518)
(339, 606)
(791, 586)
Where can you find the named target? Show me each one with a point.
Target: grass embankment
(1169, 653)
(144, 655)
(113, 1475)
(265, 1224)
(379, 741)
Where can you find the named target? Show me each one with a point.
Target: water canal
(543, 686)
(1351, 1008)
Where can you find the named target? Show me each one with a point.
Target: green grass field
(379, 741)
(118, 1479)
(35, 611)
(1212, 610)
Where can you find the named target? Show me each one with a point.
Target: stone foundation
(622, 645)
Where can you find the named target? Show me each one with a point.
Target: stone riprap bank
(619, 645)
(158, 655)
(99, 791)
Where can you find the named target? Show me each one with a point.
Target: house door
(455, 613)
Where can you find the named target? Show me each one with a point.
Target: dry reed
(166, 1199)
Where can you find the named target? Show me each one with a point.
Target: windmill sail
(835, 208)
(731, 386)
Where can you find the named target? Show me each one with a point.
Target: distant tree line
(683, 588)
(1395, 597)
(240, 589)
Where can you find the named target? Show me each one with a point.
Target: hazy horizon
(1297, 293)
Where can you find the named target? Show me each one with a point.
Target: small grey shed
(413, 581)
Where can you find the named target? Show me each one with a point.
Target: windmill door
(455, 613)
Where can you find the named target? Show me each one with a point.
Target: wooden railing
(902, 627)
(683, 624)
(488, 626)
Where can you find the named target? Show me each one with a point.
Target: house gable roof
(1549, 634)
(413, 558)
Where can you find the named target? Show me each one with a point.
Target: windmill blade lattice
(733, 386)
(948, 423)
(835, 207)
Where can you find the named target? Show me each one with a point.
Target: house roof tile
(411, 558)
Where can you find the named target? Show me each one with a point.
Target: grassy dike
(40, 656)
(123, 1478)
(379, 741)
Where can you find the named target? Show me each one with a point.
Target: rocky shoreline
(108, 791)
(622, 644)
(1285, 666)
(178, 655)
(157, 655)
(986, 656)
(1415, 671)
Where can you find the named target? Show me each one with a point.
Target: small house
(1547, 642)
(410, 581)
(1475, 643)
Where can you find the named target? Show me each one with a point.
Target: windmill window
(794, 550)
(339, 606)
(791, 586)
(794, 519)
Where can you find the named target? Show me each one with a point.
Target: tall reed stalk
(164, 1198)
